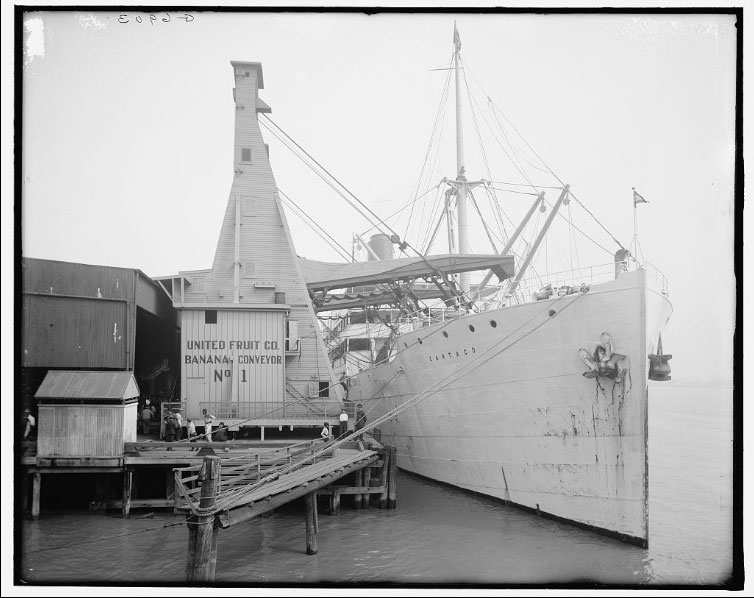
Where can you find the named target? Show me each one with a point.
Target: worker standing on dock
(146, 418)
(190, 430)
(343, 428)
(325, 433)
(208, 419)
(170, 428)
(179, 427)
(29, 424)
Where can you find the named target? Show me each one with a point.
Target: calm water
(440, 534)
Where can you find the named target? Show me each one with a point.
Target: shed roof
(65, 384)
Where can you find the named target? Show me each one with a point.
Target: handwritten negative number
(124, 18)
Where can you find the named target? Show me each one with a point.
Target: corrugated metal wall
(83, 430)
(241, 358)
(62, 332)
(77, 315)
(52, 277)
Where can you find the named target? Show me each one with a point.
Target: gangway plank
(286, 487)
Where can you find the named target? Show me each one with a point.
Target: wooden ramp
(247, 490)
(224, 491)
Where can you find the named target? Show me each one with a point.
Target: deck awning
(73, 386)
(324, 276)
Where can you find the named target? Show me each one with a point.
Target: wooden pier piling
(366, 482)
(312, 523)
(392, 485)
(128, 480)
(335, 503)
(202, 543)
(358, 482)
(385, 476)
(36, 491)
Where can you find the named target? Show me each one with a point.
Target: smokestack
(382, 247)
(621, 261)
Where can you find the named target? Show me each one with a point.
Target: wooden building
(87, 317)
(86, 414)
(251, 352)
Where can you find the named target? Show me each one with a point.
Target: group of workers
(175, 430)
(361, 419)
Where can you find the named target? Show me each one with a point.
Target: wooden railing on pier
(223, 492)
(248, 487)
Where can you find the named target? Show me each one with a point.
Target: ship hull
(498, 404)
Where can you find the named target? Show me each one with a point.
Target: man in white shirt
(178, 424)
(29, 423)
(208, 419)
(343, 428)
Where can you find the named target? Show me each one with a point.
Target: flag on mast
(638, 198)
(456, 37)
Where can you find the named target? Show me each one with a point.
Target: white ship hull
(514, 417)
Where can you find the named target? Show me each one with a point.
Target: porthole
(493, 323)
(471, 327)
(445, 333)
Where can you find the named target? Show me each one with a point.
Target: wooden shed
(86, 414)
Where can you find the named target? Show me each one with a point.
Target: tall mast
(461, 187)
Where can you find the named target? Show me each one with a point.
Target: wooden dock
(224, 492)
(221, 484)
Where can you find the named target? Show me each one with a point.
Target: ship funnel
(382, 247)
(621, 261)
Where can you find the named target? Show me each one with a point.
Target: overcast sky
(128, 132)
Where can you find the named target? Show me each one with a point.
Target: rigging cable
(319, 174)
(552, 172)
(474, 119)
(495, 109)
(485, 356)
(402, 245)
(443, 100)
(334, 178)
(315, 226)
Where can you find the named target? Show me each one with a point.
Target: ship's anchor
(603, 362)
(659, 368)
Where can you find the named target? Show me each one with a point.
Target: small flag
(638, 198)
(456, 37)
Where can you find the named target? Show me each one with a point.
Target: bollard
(202, 546)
